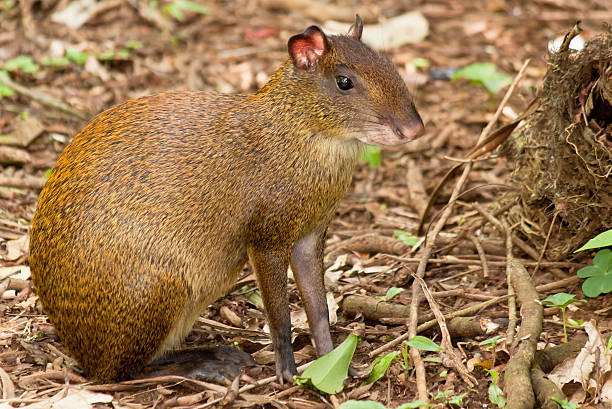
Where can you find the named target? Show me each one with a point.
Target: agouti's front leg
(307, 266)
(271, 271)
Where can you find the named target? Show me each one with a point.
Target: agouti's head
(356, 93)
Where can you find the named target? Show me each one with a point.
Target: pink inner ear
(307, 48)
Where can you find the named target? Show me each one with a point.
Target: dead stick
(517, 376)
(481, 254)
(512, 319)
(453, 359)
(42, 98)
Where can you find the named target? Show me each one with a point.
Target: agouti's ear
(356, 29)
(308, 48)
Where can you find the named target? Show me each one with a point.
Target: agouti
(153, 209)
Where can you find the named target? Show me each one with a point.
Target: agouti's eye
(344, 83)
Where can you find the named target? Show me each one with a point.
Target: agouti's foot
(212, 364)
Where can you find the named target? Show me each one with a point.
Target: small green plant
(424, 344)
(496, 395)
(599, 275)
(484, 74)
(448, 398)
(76, 56)
(601, 240)
(176, 8)
(406, 238)
(55, 62)
(420, 62)
(23, 63)
(371, 155)
(490, 343)
(565, 404)
(562, 300)
(391, 292)
(5, 91)
(328, 373)
(380, 366)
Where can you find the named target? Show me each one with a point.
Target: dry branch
(517, 378)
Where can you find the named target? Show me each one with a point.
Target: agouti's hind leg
(213, 364)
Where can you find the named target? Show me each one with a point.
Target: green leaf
(253, 296)
(420, 62)
(77, 56)
(133, 44)
(176, 8)
(371, 155)
(55, 62)
(491, 342)
(48, 173)
(601, 240)
(22, 62)
(424, 344)
(457, 399)
(609, 347)
(599, 275)
(496, 395)
(484, 74)
(328, 373)
(406, 238)
(443, 394)
(361, 404)
(392, 292)
(565, 404)
(561, 300)
(415, 404)
(5, 91)
(381, 364)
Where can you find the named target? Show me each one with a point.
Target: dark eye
(344, 83)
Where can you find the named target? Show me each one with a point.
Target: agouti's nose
(411, 130)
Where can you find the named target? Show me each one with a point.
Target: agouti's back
(153, 209)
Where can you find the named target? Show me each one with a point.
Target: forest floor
(126, 49)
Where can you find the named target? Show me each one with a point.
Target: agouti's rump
(153, 209)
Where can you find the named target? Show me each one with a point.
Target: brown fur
(153, 209)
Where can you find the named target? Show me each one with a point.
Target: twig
(42, 98)
(482, 255)
(552, 223)
(453, 359)
(512, 319)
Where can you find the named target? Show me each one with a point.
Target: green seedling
(380, 366)
(565, 404)
(562, 300)
(601, 240)
(23, 63)
(5, 91)
(176, 8)
(406, 238)
(496, 395)
(490, 343)
(77, 56)
(599, 275)
(328, 373)
(55, 62)
(371, 155)
(484, 74)
(391, 292)
(424, 344)
(420, 62)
